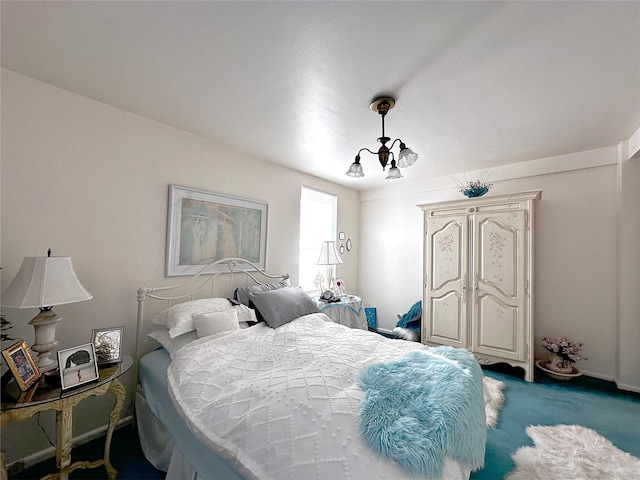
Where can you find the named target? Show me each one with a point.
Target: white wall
(90, 181)
(577, 272)
(629, 263)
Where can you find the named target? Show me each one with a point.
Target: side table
(43, 398)
(348, 311)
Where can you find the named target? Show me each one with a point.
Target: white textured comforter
(282, 403)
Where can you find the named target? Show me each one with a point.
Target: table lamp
(329, 256)
(43, 282)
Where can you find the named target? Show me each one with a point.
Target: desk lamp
(43, 282)
(329, 256)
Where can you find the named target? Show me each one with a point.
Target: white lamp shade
(328, 254)
(394, 172)
(355, 170)
(44, 282)
(407, 158)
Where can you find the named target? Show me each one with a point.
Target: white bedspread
(282, 403)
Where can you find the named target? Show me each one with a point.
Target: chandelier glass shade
(406, 156)
(355, 170)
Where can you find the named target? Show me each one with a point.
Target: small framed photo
(21, 364)
(107, 343)
(77, 366)
(339, 288)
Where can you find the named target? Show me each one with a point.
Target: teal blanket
(427, 404)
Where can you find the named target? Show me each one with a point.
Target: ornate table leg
(119, 392)
(64, 420)
(3, 467)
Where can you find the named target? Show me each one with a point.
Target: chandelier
(406, 156)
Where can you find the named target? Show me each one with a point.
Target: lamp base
(330, 278)
(45, 324)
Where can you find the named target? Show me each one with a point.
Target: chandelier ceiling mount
(406, 156)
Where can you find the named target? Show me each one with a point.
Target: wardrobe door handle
(475, 288)
(464, 289)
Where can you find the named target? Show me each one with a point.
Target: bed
(250, 380)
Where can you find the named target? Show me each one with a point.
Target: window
(318, 223)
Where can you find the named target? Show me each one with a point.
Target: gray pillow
(280, 306)
(242, 293)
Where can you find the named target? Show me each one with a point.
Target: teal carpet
(582, 401)
(126, 457)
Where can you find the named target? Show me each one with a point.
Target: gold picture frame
(21, 364)
(107, 343)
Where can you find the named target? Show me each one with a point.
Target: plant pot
(475, 192)
(544, 366)
(558, 364)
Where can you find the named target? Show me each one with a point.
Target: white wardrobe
(478, 277)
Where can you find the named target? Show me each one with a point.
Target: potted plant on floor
(564, 354)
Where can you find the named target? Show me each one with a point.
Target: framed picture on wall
(204, 227)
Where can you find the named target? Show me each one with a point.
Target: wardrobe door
(444, 319)
(499, 314)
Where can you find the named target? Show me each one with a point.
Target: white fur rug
(563, 452)
(493, 399)
(407, 334)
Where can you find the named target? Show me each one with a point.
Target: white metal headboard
(194, 286)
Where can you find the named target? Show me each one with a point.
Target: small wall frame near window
(107, 343)
(341, 237)
(204, 227)
(21, 363)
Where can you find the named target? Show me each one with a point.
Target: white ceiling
(478, 84)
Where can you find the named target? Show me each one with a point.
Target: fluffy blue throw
(411, 319)
(422, 406)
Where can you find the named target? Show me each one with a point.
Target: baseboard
(599, 376)
(50, 452)
(628, 388)
(609, 378)
(619, 385)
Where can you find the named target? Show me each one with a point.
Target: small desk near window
(348, 311)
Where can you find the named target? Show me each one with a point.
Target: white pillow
(215, 322)
(179, 318)
(245, 314)
(172, 345)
